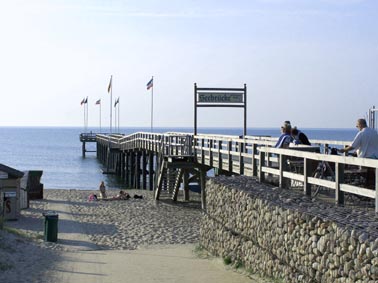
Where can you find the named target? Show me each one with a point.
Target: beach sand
(135, 240)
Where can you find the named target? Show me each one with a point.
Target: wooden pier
(164, 162)
(85, 138)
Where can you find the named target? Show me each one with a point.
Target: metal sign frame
(223, 97)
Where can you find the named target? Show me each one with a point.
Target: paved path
(84, 262)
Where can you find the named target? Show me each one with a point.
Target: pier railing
(256, 156)
(170, 144)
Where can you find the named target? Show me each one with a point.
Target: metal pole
(111, 101)
(84, 114)
(115, 117)
(100, 116)
(195, 109)
(118, 115)
(152, 105)
(87, 111)
(245, 110)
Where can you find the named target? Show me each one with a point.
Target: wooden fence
(256, 156)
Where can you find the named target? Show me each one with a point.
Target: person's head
(286, 128)
(360, 124)
(294, 131)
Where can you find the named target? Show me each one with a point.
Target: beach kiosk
(9, 192)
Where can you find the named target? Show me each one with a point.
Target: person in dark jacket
(299, 137)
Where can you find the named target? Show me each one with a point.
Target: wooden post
(186, 185)
(203, 189)
(339, 178)
(220, 162)
(261, 175)
(127, 168)
(282, 167)
(83, 149)
(254, 159)
(308, 169)
(137, 170)
(211, 153)
(241, 158)
(132, 169)
(144, 173)
(376, 190)
(229, 149)
(151, 173)
(202, 151)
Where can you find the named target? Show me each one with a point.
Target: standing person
(299, 137)
(285, 139)
(102, 190)
(365, 142)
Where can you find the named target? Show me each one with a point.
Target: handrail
(252, 156)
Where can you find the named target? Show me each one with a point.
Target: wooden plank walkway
(141, 154)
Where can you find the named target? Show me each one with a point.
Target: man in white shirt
(365, 142)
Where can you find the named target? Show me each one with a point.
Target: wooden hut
(9, 192)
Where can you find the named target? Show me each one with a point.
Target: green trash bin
(51, 226)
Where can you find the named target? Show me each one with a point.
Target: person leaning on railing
(365, 142)
(285, 139)
(366, 145)
(299, 137)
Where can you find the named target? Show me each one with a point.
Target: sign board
(3, 175)
(220, 97)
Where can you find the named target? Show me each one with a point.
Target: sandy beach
(135, 240)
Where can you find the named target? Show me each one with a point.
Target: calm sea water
(57, 151)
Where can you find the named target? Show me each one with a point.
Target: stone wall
(282, 234)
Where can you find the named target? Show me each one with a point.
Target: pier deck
(164, 162)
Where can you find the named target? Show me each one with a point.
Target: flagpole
(87, 111)
(111, 101)
(115, 116)
(118, 116)
(152, 106)
(84, 113)
(100, 116)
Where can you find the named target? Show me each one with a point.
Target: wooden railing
(254, 156)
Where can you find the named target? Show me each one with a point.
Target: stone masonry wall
(282, 234)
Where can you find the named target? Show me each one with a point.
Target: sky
(313, 62)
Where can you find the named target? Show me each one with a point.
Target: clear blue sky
(312, 62)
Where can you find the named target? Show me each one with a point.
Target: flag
(110, 84)
(98, 102)
(150, 83)
(86, 100)
(83, 101)
(116, 102)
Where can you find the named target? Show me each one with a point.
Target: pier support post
(203, 190)
(137, 170)
(151, 173)
(83, 149)
(186, 185)
(144, 173)
(132, 170)
(127, 168)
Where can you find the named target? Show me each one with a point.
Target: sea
(57, 151)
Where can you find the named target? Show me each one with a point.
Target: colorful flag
(98, 101)
(110, 84)
(116, 102)
(150, 83)
(83, 101)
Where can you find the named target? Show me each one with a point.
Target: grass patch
(23, 234)
(239, 264)
(201, 252)
(227, 260)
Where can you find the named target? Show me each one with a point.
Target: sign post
(220, 97)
